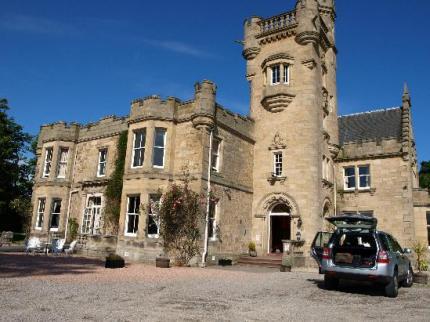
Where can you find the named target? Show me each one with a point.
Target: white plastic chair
(33, 245)
(57, 246)
(71, 248)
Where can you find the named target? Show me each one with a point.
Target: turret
(251, 47)
(406, 123)
(307, 15)
(205, 103)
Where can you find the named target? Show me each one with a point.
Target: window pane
(159, 137)
(276, 77)
(351, 182)
(158, 157)
(138, 157)
(363, 170)
(139, 140)
(286, 69)
(211, 223)
(152, 226)
(350, 171)
(364, 181)
(428, 218)
(215, 154)
(57, 207)
(133, 224)
(54, 220)
(103, 155)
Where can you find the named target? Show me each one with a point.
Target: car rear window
(354, 240)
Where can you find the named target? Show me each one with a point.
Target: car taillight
(383, 257)
(326, 253)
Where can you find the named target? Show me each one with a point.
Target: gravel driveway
(40, 288)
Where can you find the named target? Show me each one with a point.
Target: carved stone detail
(251, 53)
(310, 63)
(278, 143)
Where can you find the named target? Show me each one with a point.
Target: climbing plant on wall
(181, 216)
(114, 187)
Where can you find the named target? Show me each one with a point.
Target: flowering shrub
(180, 217)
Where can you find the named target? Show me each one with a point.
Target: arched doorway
(279, 227)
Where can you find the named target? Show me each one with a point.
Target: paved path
(44, 288)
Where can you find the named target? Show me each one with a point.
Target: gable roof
(373, 125)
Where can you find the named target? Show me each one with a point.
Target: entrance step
(274, 261)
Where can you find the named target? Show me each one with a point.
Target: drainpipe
(206, 240)
(71, 192)
(334, 189)
(68, 212)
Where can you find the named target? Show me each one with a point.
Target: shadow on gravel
(21, 265)
(352, 287)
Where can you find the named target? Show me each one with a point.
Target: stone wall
(421, 198)
(390, 196)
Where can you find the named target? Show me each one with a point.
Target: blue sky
(81, 60)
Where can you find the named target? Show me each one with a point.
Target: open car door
(320, 241)
(353, 222)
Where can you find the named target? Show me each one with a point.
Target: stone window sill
(357, 191)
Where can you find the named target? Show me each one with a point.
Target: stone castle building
(278, 172)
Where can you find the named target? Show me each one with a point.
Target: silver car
(357, 251)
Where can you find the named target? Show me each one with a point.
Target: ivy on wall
(114, 187)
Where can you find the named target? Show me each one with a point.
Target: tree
(425, 175)
(181, 215)
(15, 172)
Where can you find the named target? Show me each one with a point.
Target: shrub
(421, 251)
(73, 229)
(251, 246)
(181, 216)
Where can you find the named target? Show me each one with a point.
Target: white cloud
(178, 47)
(36, 25)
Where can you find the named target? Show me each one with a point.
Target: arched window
(281, 209)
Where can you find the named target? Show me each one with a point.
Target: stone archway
(279, 227)
(281, 210)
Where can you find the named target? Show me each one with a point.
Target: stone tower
(291, 68)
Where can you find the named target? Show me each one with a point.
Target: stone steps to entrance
(262, 261)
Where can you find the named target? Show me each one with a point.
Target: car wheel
(392, 288)
(330, 283)
(409, 280)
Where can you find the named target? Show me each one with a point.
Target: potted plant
(287, 263)
(162, 261)
(252, 249)
(422, 264)
(114, 261)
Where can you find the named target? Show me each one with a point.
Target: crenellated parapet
(105, 127)
(153, 107)
(60, 131)
(233, 122)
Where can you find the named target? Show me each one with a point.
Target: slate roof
(373, 125)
